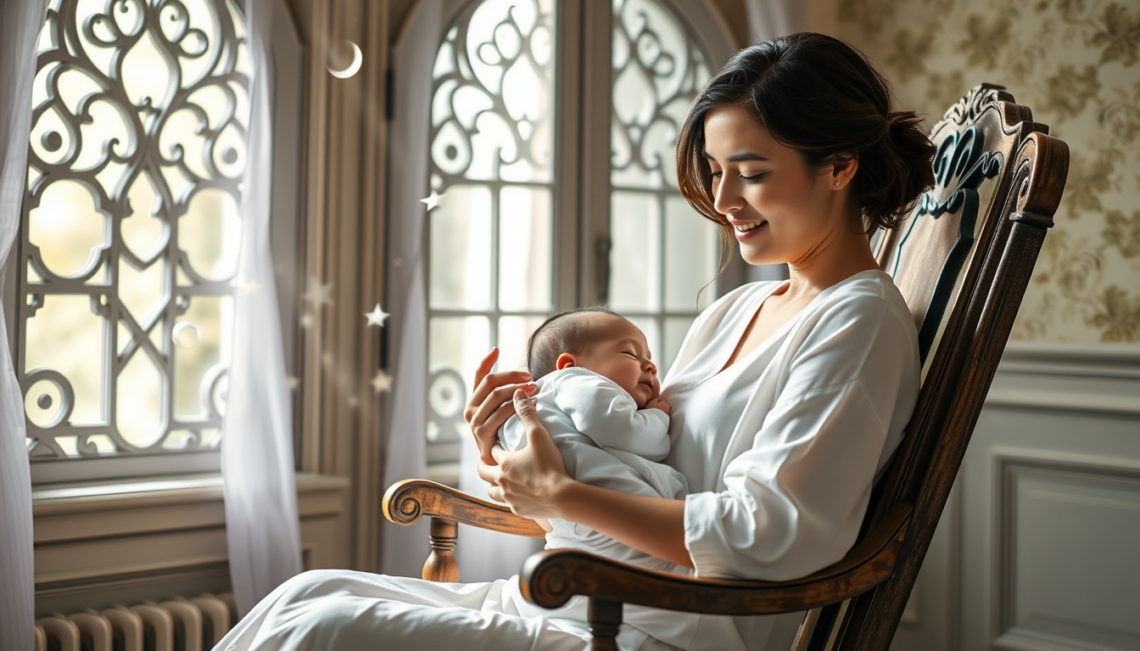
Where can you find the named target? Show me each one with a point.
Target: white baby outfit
(780, 451)
(606, 441)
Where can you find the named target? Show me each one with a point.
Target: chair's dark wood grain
(962, 261)
(550, 578)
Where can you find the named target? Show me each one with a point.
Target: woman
(787, 398)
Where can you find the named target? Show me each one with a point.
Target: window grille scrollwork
(129, 225)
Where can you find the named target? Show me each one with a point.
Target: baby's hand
(657, 403)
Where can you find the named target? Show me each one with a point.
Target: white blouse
(781, 448)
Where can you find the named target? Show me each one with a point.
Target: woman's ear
(565, 360)
(843, 168)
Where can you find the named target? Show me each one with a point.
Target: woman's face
(780, 210)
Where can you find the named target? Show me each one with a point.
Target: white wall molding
(1050, 498)
(1102, 379)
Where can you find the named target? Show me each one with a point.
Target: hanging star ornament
(377, 316)
(433, 201)
(381, 382)
(318, 294)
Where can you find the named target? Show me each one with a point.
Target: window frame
(581, 191)
(287, 60)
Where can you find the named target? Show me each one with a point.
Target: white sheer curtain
(20, 24)
(262, 529)
(404, 549)
(769, 19)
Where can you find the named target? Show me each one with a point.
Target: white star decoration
(307, 320)
(250, 286)
(318, 294)
(433, 201)
(381, 382)
(377, 316)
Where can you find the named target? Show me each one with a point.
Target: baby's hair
(565, 332)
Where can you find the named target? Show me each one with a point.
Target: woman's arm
(533, 481)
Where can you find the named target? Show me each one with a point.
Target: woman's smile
(747, 230)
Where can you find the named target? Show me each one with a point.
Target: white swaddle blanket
(605, 440)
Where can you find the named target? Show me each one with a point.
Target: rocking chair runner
(962, 261)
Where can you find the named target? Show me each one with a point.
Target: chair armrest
(550, 578)
(407, 501)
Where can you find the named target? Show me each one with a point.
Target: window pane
(524, 249)
(690, 257)
(455, 347)
(514, 332)
(635, 266)
(198, 338)
(675, 331)
(648, 325)
(67, 228)
(66, 337)
(461, 249)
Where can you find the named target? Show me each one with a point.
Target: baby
(599, 397)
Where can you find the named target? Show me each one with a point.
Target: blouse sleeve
(793, 503)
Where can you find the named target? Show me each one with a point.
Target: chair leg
(441, 566)
(605, 620)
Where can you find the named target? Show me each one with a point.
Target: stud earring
(837, 183)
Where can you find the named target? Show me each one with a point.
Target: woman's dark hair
(567, 332)
(823, 98)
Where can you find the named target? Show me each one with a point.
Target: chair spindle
(441, 566)
(605, 620)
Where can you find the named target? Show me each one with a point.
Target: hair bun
(909, 154)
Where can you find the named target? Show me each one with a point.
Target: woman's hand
(490, 405)
(528, 480)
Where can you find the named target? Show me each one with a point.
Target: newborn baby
(599, 397)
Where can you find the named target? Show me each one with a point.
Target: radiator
(180, 624)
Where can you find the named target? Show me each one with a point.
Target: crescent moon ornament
(353, 66)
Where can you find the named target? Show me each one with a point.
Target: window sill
(99, 543)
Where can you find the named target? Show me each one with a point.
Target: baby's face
(623, 357)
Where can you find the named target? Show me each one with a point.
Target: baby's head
(597, 340)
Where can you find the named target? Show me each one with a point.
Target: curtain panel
(19, 30)
(262, 526)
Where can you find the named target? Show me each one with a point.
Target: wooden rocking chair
(962, 260)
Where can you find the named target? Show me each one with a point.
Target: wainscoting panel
(1050, 518)
(1039, 546)
(1075, 583)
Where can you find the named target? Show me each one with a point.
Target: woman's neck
(842, 257)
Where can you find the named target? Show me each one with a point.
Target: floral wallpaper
(1076, 63)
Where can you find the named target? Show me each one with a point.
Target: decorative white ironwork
(491, 177)
(660, 252)
(658, 69)
(130, 225)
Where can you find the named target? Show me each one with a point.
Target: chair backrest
(962, 261)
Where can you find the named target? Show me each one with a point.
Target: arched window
(129, 238)
(531, 218)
